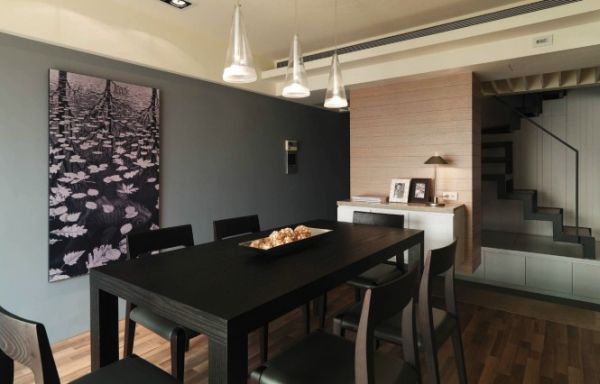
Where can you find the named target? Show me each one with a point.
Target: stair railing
(572, 148)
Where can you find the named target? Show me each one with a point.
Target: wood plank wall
(396, 127)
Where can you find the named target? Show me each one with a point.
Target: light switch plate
(450, 196)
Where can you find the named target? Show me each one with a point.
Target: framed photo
(420, 191)
(399, 190)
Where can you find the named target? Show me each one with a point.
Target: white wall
(544, 164)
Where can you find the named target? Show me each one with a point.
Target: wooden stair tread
(496, 176)
(572, 231)
(495, 159)
(496, 144)
(524, 191)
(496, 129)
(550, 210)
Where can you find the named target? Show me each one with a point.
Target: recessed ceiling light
(178, 3)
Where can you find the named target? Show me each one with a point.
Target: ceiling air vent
(446, 27)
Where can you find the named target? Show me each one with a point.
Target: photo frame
(420, 191)
(399, 190)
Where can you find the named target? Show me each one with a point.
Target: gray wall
(222, 156)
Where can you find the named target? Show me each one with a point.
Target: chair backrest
(440, 262)
(382, 219)
(143, 243)
(381, 303)
(26, 342)
(236, 226)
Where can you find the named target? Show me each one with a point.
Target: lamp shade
(239, 67)
(296, 82)
(436, 160)
(335, 97)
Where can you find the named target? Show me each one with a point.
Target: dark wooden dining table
(226, 291)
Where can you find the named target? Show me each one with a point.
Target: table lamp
(435, 161)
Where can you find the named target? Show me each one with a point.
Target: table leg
(416, 253)
(104, 328)
(228, 359)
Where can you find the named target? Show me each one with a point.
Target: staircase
(499, 154)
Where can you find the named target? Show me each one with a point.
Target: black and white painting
(103, 169)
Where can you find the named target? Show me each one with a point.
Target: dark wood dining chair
(326, 358)
(238, 226)
(26, 342)
(235, 226)
(142, 244)
(386, 271)
(436, 323)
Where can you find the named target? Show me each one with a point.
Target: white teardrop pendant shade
(239, 67)
(296, 81)
(336, 94)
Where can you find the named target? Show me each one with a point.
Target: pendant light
(335, 97)
(296, 82)
(238, 63)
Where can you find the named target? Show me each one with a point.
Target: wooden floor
(507, 339)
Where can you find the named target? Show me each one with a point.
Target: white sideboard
(441, 224)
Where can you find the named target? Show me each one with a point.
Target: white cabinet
(546, 274)
(441, 225)
(505, 268)
(586, 281)
(552, 275)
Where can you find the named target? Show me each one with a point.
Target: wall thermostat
(291, 156)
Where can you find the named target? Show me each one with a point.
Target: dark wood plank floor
(507, 340)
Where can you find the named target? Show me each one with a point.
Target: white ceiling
(270, 23)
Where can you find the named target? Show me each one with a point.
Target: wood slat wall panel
(382, 127)
(410, 118)
(419, 96)
(395, 127)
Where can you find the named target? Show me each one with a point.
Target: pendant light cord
(335, 25)
(296, 15)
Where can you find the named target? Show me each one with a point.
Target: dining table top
(228, 281)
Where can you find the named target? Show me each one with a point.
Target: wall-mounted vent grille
(454, 25)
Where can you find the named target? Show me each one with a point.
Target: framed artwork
(399, 189)
(420, 191)
(103, 169)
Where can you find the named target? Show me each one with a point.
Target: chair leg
(459, 356)
(178, 343)
(323, 310)
(263, 335)
(320, 308)
(306, 315)
(430, 349)
(129, 336)
(357, 295)
(337, 327)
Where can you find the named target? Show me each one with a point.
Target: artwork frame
(420, 191)
(399, 190)
(103, 169)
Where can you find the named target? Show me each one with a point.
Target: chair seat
(129, 370)
(391, 329)
(377, 275)
(158, 324)
(328, 359)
